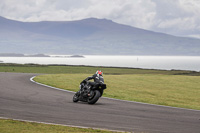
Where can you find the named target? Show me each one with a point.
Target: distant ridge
(90, 36)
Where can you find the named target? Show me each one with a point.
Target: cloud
(123, 11)
(178, 17)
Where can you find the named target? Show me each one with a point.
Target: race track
(22, 99)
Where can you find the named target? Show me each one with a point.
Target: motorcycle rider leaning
(98, 79)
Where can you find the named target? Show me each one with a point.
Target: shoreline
(143, 62)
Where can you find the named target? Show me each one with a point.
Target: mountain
(89, 36)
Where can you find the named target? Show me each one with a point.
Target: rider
(98, 78)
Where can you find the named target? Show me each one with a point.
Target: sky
(175, 17)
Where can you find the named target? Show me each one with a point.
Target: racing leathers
(98, 79)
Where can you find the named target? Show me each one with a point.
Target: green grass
(13, 126)
(170, 90)
(50, 69)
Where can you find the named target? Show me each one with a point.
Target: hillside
(89, 36)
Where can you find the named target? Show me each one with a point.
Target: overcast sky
(176, 17)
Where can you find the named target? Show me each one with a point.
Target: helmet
(99, 72)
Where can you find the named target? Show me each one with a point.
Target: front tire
(76, 97)
(94, 98)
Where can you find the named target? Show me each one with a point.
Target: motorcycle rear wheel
(94, 98)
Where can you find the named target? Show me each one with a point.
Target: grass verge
(170, 90)
(54, 69)
(13, 126)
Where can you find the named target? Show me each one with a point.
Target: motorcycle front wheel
(76, 97)
(94, 98)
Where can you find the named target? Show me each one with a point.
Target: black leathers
(98, 79)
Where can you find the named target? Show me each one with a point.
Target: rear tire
(76, 97)
(95, 98)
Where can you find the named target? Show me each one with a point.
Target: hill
(90, 36)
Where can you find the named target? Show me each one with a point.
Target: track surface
(22, 99)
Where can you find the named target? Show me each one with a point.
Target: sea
(147, 62)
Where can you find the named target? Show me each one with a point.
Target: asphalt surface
(22, 99)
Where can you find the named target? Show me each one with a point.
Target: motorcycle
(89, 92)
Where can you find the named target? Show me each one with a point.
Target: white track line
(31, 79)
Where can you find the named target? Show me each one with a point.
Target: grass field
(13, 126)
(50, 69)
(170, 90)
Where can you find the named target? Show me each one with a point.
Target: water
(149, 62)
